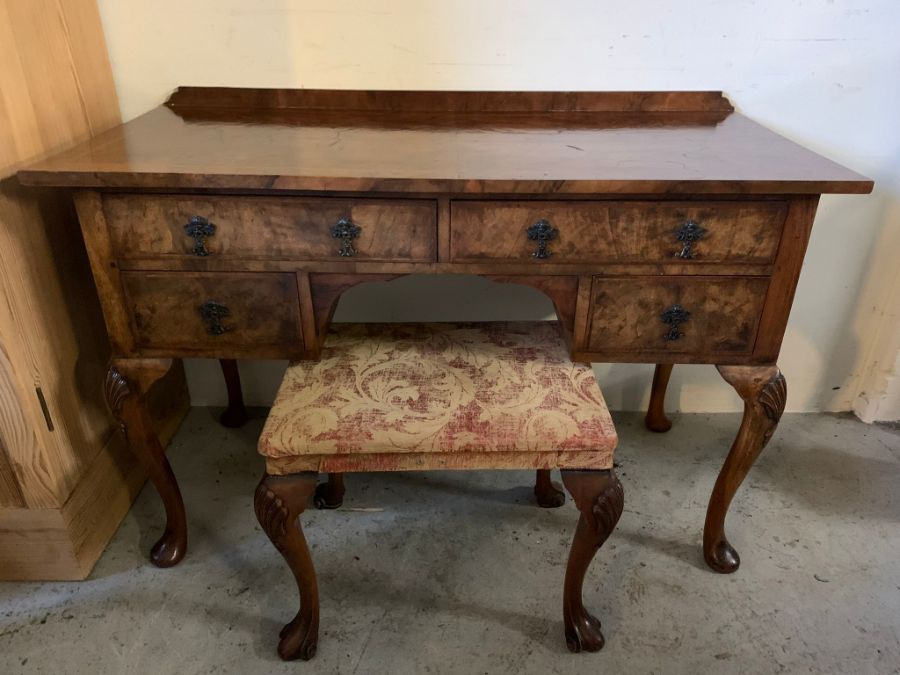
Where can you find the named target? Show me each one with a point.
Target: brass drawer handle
(346, 231)
(213, 313)
(542, 232)
(688, 234)
(673, 317)
(200, 228)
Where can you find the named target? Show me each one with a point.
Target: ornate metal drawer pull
(346, 231)
(673, 317)
(688, 234)
(542, 232)
(213, 313)
(200, 228)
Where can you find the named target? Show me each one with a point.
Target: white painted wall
(822, 72)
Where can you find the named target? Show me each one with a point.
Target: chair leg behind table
(600, 499)
(278, 503)
(127, 383)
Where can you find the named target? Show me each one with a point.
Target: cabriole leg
(600, 499)
(235, 415)
(764, 391)
(127, 383)
(278, 503)
(656, 419)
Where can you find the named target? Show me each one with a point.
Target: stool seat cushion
(391, 397)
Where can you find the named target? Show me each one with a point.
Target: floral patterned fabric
(391, 397)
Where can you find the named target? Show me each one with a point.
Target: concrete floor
(459, 573)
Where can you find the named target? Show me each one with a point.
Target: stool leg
(600, 499)
(330, 495)
(278, 503)
(549, 495)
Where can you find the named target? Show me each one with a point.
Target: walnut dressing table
(665, 228)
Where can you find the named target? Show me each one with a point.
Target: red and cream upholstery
(395, 397)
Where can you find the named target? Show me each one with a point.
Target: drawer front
(735, 232)
(578, 231)
(698, 315)
(212, 314)
(624, 232)
(301, 228)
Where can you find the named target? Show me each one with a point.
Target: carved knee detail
(764, 392)
(272, 513)
(607, 509)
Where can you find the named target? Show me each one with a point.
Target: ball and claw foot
(723, 558)
(585, 634)
(297, 641)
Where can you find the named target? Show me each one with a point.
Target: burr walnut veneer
(665, 227)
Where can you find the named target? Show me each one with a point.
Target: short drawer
(301, 228)
(622, 232)
(698, 315)
(512, 231)
(212, 314)
(734, 232)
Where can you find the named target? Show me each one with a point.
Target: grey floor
(459, 573)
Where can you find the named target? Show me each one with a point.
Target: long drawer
(246, 227)
(623, 231)
(215, 314)
(698, 315)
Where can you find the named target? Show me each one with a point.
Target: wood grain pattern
(263, 314)
(64, 543)
(56, 90)
(226, 143)
(270, 227)
(636, 231)
(736, 232)
(724, 315)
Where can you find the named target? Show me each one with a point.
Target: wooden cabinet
(66, 476)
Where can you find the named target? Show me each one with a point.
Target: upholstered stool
(403, 397)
